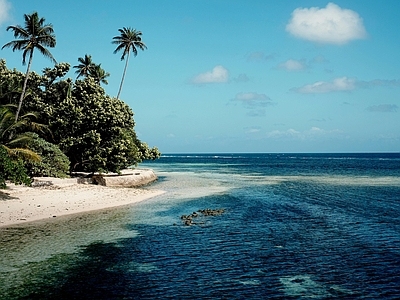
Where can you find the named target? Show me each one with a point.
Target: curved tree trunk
(123, 76)
(21, 99)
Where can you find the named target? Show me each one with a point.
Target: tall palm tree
(85, 67)
(129, 40)
(34, 35)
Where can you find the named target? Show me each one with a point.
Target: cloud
(4, 11)
(383, 108)
(257, 113)
(252, 100)
(329, 25)
(379, 82)
(319, 59)
(292, 65)
(310, 134)
(318, 120)
(217, 75)
(341, 84)
(252, 130)
(259, 56)
(242, 78)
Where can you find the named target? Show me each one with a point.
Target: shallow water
(295, 226)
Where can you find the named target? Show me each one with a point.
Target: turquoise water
(296, 226)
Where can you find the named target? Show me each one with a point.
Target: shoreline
(22, 205)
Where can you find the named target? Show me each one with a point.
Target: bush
(12, 170)
(54, 163)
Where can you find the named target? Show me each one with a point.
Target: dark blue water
(296, 226)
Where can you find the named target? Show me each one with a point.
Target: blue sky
(240, 76)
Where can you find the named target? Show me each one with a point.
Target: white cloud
(252, 100)
(292, 65)
(252, 130)
(282, 134)
(337, 85)
(4, 11)
(383, 108)
(312, 133)
(329, 25)
(217, 75)
(343, 84)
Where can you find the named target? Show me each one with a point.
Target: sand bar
(21, 204)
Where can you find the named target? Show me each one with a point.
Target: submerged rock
(188, 219)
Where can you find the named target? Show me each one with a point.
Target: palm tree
(34, 35)
(12, 139)
(129, 40)
(85, 67)
(99, 74)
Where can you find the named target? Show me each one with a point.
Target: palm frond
(19, 141)
(23, 153)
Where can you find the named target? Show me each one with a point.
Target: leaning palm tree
(129, 40)
(34, 35)
(85, 67)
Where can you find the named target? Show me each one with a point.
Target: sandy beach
(21, 204)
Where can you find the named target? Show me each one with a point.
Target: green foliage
(34, 35)
(13, 137)
(129, 40)
(12, 170)
(95, 131)
(53, 163)
(88, 68)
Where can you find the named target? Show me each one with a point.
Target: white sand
(20, 204)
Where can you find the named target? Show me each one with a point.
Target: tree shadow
(6, 196)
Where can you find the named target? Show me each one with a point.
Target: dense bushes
(12, 170)
(94, 131)
(53, 163)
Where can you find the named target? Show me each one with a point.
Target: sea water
(295, 226)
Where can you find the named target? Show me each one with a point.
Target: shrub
(54, 163)
(12, 170)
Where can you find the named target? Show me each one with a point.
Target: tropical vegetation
(52, 125)
(34, 35)
(87, 68)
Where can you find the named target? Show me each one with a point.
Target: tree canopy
(78, 126)
(94, 130)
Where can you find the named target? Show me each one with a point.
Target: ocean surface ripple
(295, 226)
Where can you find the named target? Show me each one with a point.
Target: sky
(229, 76)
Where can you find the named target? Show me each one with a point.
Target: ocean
(287, 226)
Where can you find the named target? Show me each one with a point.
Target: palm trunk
(123, 75)
(21, 99)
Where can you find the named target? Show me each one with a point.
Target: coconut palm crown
(129, 40)
(85, 67)
(34, 35)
